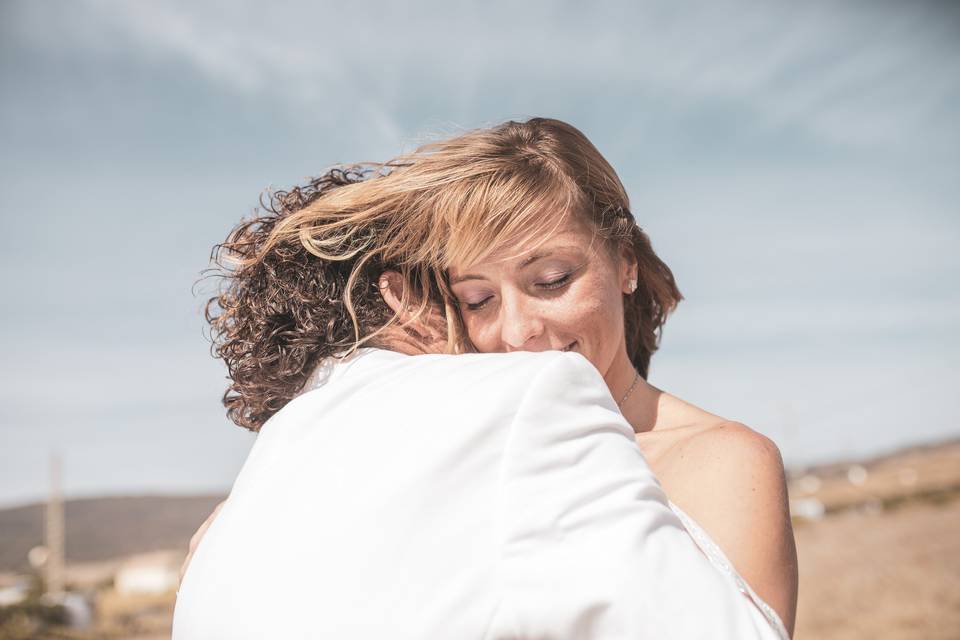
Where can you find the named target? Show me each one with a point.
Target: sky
(797, 164)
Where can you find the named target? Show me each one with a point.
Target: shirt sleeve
(589, 546)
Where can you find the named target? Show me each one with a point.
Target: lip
(570, 346)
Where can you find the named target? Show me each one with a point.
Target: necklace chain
(636, 379)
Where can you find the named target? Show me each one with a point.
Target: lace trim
(719, 560)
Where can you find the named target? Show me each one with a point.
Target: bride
(523, 233)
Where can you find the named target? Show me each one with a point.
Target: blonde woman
(522, 235)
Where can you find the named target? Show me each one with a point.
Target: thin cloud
(851, 74)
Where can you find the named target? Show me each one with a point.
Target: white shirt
(486, 496)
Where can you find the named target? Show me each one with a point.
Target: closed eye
(476, 306)
(555, 284)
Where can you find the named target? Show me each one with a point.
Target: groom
(411, 494)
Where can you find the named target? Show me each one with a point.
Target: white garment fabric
(488, 496)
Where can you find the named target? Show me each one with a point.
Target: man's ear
(428, 334)
(391, 285)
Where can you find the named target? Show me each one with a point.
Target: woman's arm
(739, 496)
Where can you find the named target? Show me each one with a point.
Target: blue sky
(796, 164)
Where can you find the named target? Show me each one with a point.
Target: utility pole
(55, 531)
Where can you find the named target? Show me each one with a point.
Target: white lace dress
(720, 561)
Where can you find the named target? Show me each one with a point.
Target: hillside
(106, 528)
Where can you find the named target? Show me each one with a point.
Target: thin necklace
(636, 379)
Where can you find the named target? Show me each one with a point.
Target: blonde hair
(449, 202)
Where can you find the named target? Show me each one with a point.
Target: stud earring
(633, 286)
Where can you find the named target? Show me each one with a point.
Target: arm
(197, 537)
(740, 499)
(589, 546)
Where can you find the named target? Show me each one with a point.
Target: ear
(628, 270)
(391, 288)
(426, 334)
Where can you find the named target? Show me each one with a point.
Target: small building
(149, 573)
(14, 591)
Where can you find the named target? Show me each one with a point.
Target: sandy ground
(888, 576)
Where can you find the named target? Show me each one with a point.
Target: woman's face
(566, 294)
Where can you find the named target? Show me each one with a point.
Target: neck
(640, 407)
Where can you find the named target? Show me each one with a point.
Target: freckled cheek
(594, 317)
(579, 316)
(593, 328)
(483, 335)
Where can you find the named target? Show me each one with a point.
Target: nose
(521, 326)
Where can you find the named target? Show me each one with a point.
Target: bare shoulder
(735, 451)
(729, 474)
(731, 481)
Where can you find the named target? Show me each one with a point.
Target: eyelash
(471, 306)
(554, 284)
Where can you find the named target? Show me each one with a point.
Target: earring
(633, 285)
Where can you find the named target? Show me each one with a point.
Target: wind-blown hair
(301, 279)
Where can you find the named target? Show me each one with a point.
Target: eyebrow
(526, 262)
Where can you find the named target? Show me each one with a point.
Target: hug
(445, 357)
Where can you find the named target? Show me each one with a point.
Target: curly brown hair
(301, 279)
(282, 308)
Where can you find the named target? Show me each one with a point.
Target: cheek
(597, 312)
(481, 333)
(580, 313)
(586, 312)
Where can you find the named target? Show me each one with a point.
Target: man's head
(302, 282)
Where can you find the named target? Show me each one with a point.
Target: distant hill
(104, 528)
